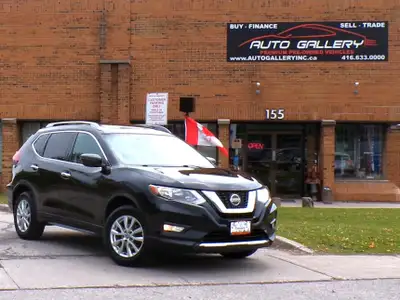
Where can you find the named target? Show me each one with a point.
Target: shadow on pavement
(75, 241)
(200, 262)
(92, 245)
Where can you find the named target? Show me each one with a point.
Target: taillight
(16, 157)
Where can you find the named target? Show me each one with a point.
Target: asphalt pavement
(69, 265)
(343, 290)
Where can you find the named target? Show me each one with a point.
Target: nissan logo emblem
(235, 199)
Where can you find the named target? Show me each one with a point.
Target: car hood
(200, 178)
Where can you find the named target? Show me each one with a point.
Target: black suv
(141, 188)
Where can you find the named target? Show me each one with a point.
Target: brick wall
(123, 90)
(327, 153)
(375, 191)
(108, 75)
(180, 47)
(51, 65)
(224, 137)
(387, 190)
(392, 155)
(10, 135)
(50, 54)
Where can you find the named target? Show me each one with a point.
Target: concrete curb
(4, 207)
(295, 244)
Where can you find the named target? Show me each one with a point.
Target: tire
(239, 254)
(139, 253)
(26, 223)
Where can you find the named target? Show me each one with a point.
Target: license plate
(241, 228)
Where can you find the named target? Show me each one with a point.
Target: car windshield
(155, 150)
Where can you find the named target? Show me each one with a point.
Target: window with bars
(359, 151)
(29, 128)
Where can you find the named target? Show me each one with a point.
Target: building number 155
(275, 114)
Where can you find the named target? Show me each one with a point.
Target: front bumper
(207, 230)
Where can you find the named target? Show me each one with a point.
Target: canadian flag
(198, 135)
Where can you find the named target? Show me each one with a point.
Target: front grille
(244, 216)
(223, 237)
(232, 216)
(225, 198)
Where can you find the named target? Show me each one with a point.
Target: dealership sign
(314, 41)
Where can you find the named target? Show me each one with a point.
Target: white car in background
(344, 165)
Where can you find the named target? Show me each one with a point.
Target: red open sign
(256, 146)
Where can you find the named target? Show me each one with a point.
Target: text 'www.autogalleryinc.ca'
(273, 58)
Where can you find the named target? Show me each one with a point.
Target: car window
(58, 145)
(155, 150)
(40, 143)
(84, 143)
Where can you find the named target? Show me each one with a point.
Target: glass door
(277, 160)
(259, 157)
(288, 169)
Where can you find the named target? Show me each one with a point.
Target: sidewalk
(4, 208)
(339, 204)
(345, 267)
(66, 259)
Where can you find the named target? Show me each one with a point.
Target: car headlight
(176, 194)
(263, 196)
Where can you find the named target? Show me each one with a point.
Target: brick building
(97, 60)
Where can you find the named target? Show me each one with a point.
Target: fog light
(173, 228)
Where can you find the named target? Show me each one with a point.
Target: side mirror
(212, 160)
(91, 160)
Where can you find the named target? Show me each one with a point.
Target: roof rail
(155, 127)
(93, 124)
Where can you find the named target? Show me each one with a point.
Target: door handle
(65, 175)
(34, 167)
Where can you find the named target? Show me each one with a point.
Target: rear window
(40, 144)
(58, 145)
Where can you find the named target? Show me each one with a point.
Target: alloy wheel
(23, 215)
(126, 236)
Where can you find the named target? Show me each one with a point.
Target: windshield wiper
(150, 165)
(191, 166)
